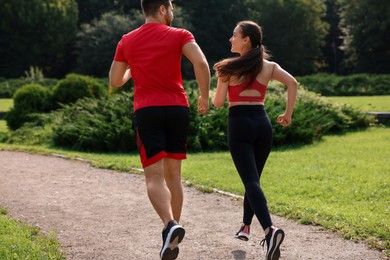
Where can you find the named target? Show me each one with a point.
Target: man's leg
(172, 173)
(158, 192)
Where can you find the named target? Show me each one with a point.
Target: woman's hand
(284, 120)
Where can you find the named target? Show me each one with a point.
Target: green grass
(341, 183)
(366, 103)
(6, 104)
(19, 241)
(3, 126)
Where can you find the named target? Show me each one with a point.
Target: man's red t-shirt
(153, 53)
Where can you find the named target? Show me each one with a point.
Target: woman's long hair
(250, 64)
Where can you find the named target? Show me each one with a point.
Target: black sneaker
(172, 236)
(243, 233)
(274, 239)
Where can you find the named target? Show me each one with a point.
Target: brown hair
(150, 7)
(249, 64)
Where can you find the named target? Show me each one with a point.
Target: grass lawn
(19, 241)
(6, 104)
(341, 183)
(3, 126)
(366, 103)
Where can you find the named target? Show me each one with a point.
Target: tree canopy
(303, 36)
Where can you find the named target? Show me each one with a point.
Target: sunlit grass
(19, 241)
(366, 103)
(6, 104)
(3, 126)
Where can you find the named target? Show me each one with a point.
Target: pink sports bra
(234, 92)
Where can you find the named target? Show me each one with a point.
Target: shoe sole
(242, 236)
(276, 241)
(170, 250)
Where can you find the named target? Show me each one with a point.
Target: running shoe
(274, 239)
(243, 233)
(172, 236)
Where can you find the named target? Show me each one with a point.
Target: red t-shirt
(153, 53)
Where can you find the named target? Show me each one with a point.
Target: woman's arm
(285, 78)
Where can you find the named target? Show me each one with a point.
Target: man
(151, 55)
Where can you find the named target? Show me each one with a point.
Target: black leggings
(250, 142)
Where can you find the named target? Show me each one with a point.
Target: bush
(352, 85)
(30, 99)
(313, 117)
(96, 125)
(8, 87)
(74, 87)
(106, 125)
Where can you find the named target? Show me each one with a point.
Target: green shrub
(96, 125)
(8, 87)
(74, 87)
(352, 85)
(106, 125)
(314, 116)
(28, 100)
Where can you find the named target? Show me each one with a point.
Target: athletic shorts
(161, 132)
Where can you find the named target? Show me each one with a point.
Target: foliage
(94, 9)
(106, 125)
(96, 125)
(96, 42)
(36, 33)
(74, 87)
(296, 48)
(366, 28)
(352, 85)
(34, 74)
(332, 53)
(31, 133)
(30, 99)
(213, 23)
(9, 86)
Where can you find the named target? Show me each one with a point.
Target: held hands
(203, 105)
(284, 120)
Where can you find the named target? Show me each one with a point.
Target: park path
(103, 214)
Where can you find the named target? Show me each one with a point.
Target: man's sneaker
(274, 239)
(243, 233)
(172, 236)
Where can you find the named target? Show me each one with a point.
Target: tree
(94, 9)
(36, 33)
(366, 28)
(96, 42)
(213, 23)
(332, 53)
(294, 32)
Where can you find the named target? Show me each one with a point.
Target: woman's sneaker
(172, 236)
(274, 239)
(243, 233)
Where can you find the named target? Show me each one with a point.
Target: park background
(55, 56)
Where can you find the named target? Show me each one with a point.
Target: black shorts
(161, 132)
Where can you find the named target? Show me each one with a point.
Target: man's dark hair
(150, 7)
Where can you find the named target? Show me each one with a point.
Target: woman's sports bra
(235, 92)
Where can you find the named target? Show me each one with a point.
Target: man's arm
(202, 73)
(119, 74)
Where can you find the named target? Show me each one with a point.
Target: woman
(244, 79)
